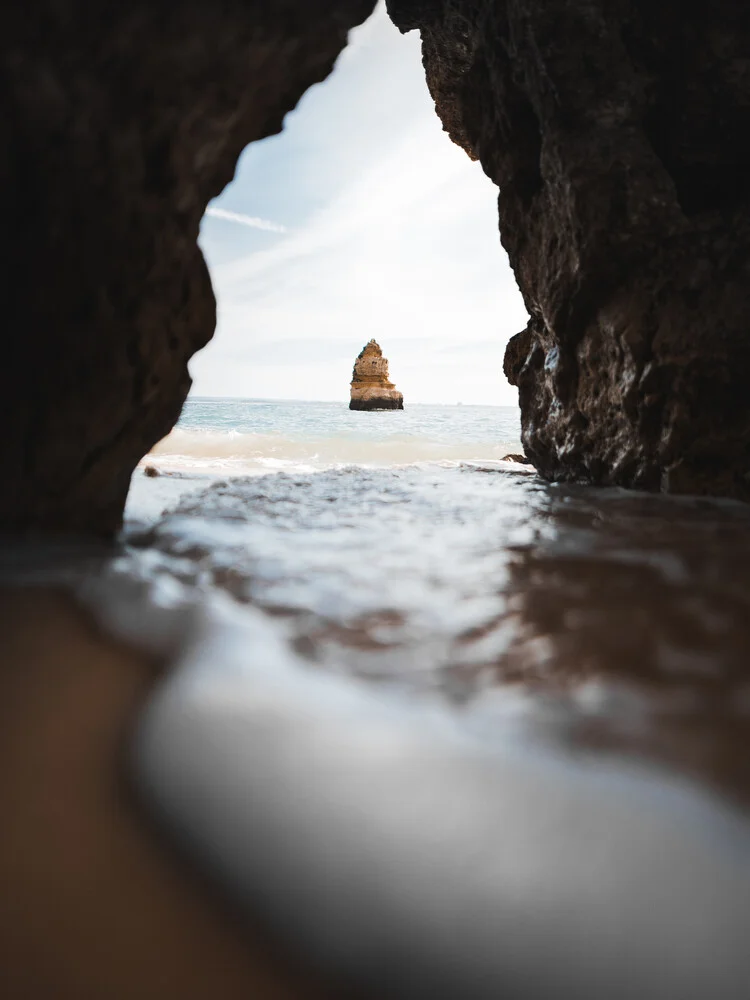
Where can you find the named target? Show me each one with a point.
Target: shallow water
(432, 723)
(621, 619)
(252, 436)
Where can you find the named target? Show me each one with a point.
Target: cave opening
(625, 224)
(360, 221)
(598, 635)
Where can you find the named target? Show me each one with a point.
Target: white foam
(239, 453)
(420, 849)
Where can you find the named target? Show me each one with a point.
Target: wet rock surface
(371, 388)
(611, 622)
(545, 740)
(119, 126)
(618, 135)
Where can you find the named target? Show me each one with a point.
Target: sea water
(256, 435)
(401, 547)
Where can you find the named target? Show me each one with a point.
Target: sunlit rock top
(371, 388)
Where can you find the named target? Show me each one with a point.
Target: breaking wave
(244, 452)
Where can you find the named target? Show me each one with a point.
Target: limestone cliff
(120, 123)
(619, 136)
(371, 389)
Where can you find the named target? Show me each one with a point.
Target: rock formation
(619, 136)
(120, 122)
(371, 389)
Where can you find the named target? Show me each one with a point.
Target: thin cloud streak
(246, 220)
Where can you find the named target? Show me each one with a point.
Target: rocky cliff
(371, 389)
(120, 122)
(619, 135)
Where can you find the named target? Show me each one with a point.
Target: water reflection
(637, 610)
(612, 620)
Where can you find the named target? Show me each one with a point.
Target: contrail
(246, 220)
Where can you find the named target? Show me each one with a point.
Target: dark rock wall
(119, 122)
(618, 132)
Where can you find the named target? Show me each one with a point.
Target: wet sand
(608, 631)
(93, 903)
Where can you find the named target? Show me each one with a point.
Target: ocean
(251, 436)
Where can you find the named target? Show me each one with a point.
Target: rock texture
(371, 389)
(619, 135)
(119, 124)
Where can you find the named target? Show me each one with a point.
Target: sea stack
(371, 389)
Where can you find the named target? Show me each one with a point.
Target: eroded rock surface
(371, 388)
(619, 135)
(119, 125)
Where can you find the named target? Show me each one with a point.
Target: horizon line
(288, 399)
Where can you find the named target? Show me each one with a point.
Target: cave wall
(119, 123)
(618, 132)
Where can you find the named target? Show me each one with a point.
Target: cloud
(393, 234)
(246, 220)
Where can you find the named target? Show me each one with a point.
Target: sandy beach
(94, 902)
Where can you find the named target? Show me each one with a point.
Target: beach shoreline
(588, 631)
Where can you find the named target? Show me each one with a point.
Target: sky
(361, 219)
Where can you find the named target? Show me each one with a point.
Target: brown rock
(120, 123)
(370, 388)
(619, 136)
